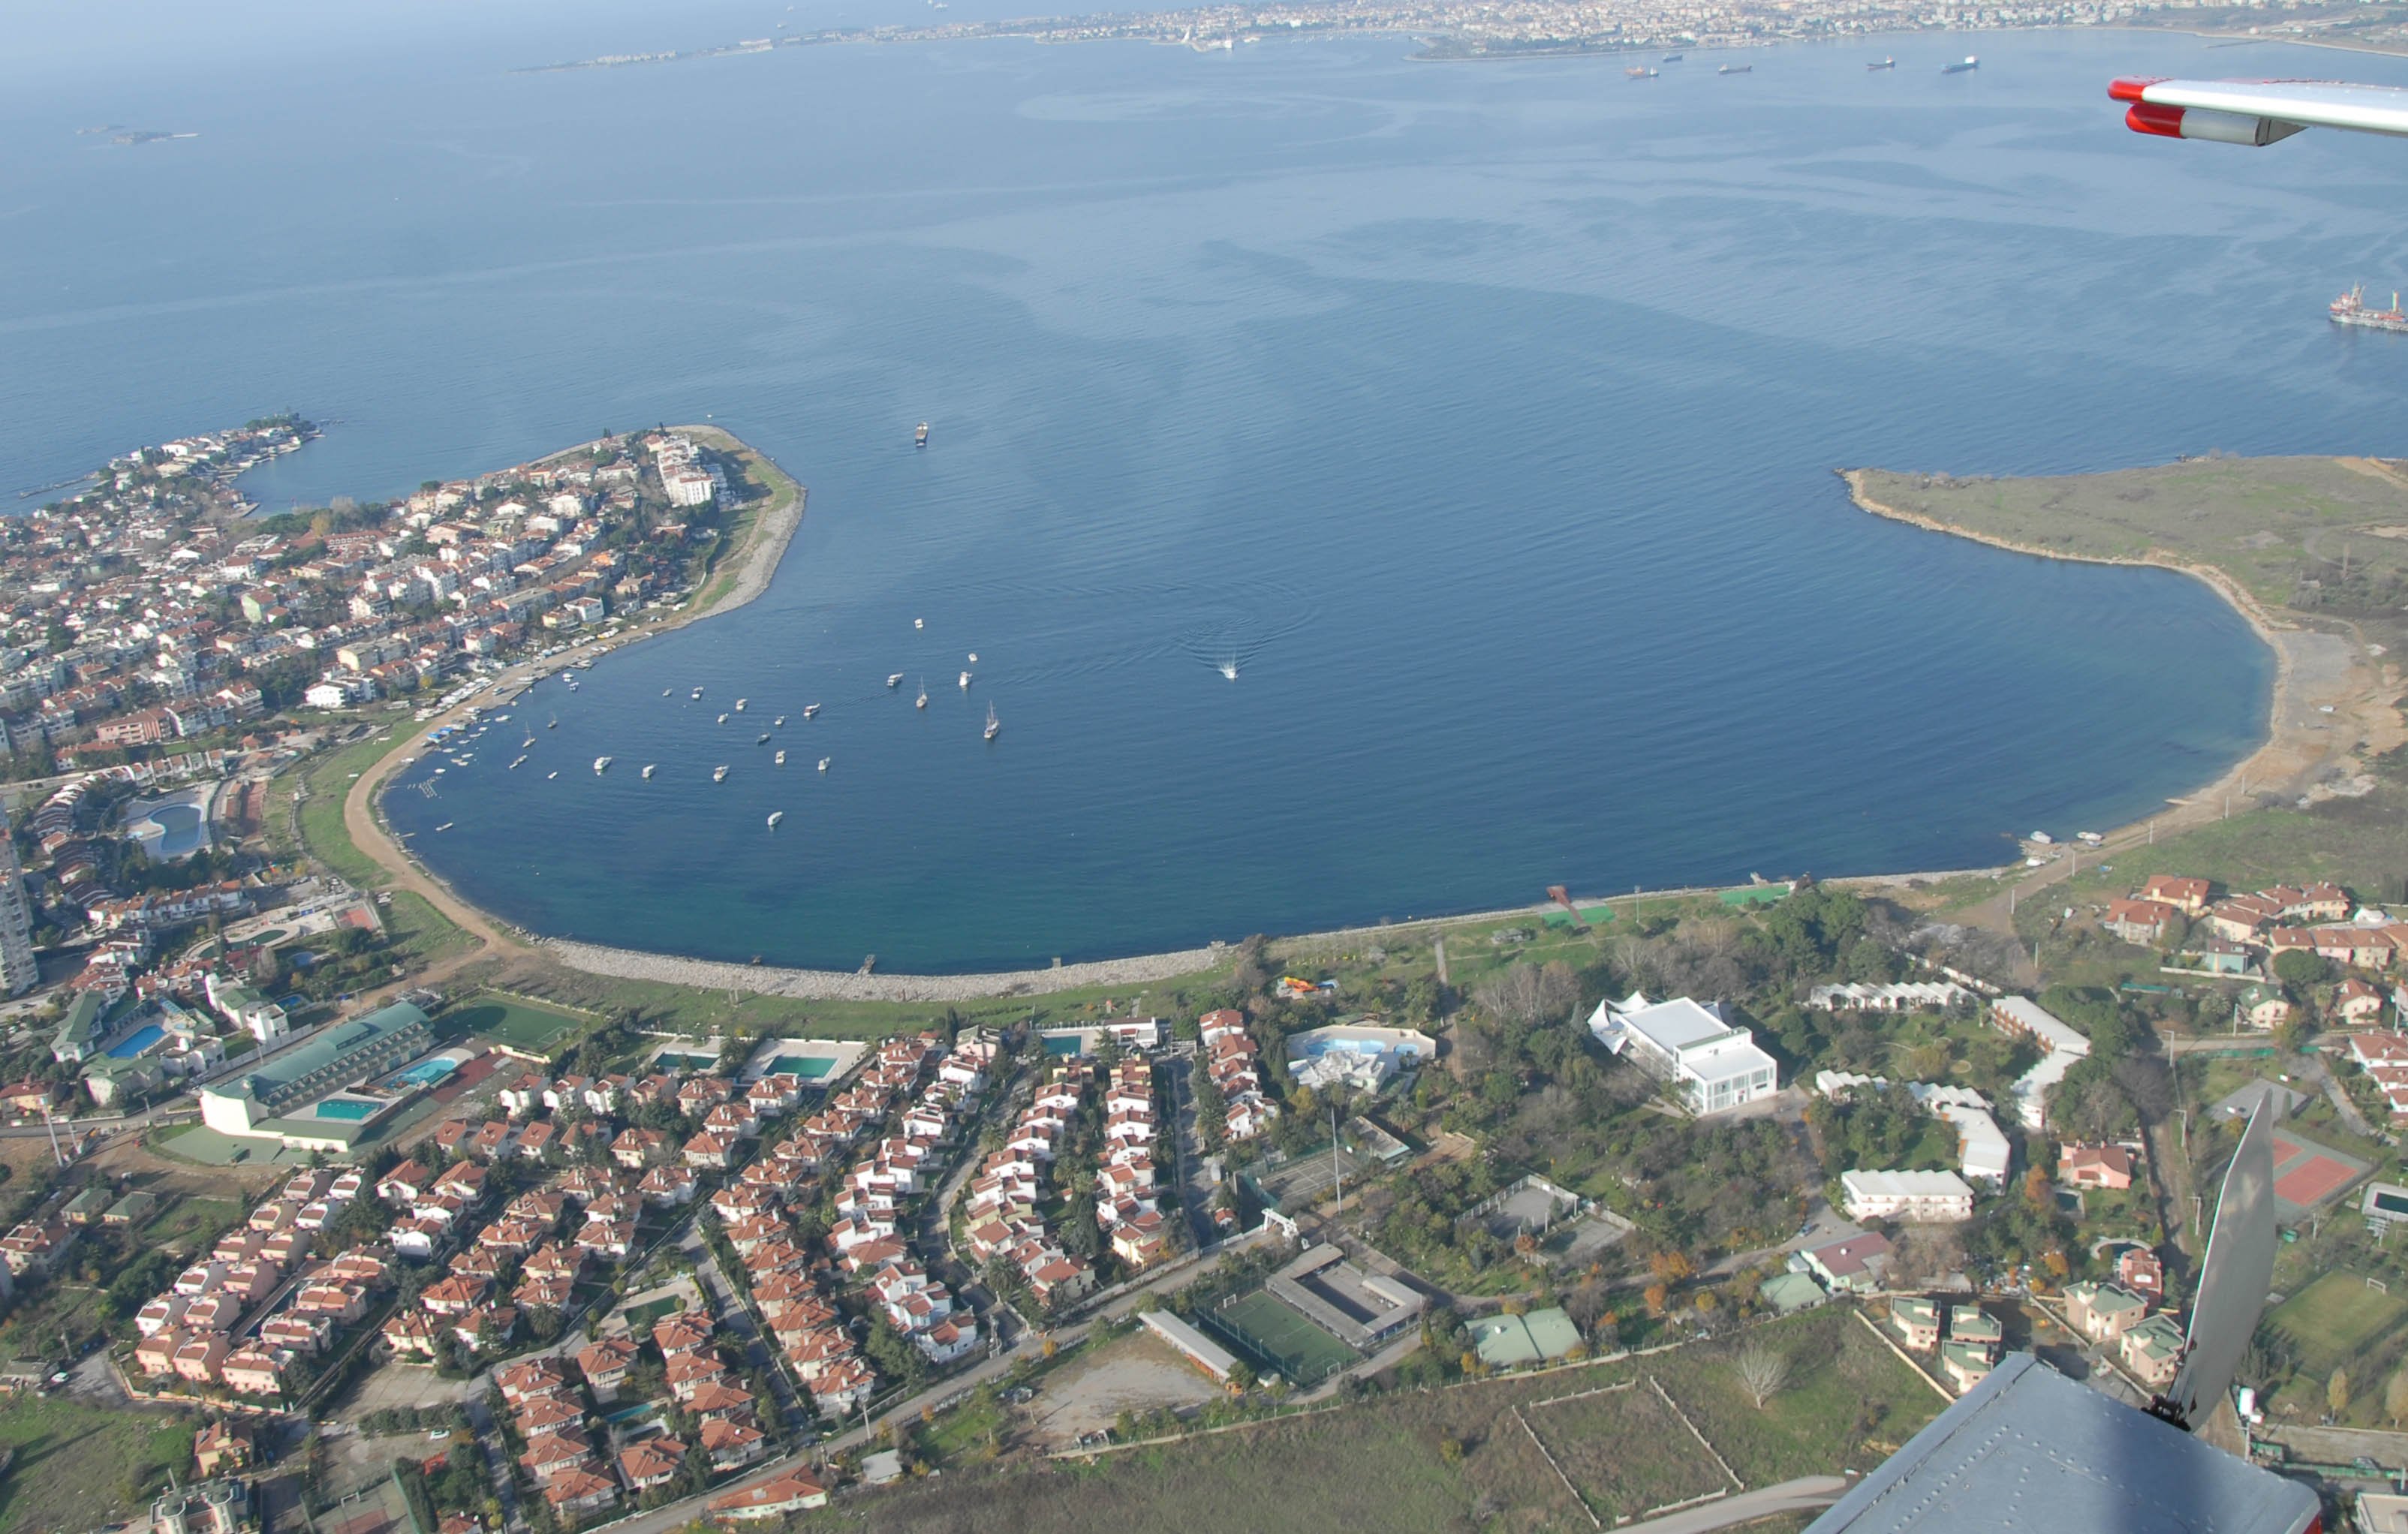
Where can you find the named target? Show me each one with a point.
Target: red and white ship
(2350, 309)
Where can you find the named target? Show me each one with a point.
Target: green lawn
(507, 1020)
(1591, 1438)
(328, 778)
(191, 1222)
(79, 1467)
(2334, 1320)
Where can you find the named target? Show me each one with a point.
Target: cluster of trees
(1881, 1126)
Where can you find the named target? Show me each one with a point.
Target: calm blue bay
(1484, 415)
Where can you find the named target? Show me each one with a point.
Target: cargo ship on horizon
(2350, 309)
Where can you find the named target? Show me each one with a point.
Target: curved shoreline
(2276, 755)
(756, 564)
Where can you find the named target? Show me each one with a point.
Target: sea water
(1482, 416)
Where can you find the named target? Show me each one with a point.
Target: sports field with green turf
(1273, 1330)
(520, 1025)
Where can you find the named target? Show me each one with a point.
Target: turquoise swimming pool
(345, 1107)
(426, 1072)
(811, 1068)
(136, 1042)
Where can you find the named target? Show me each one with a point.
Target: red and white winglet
(2258, 112)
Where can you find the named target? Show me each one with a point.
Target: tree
(1762, 1372)
(1526, 995)
(2298, 969)
(2337, 1392)
(1242, 1376)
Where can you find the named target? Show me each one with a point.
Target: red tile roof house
(253, 1370)
(605, 1366)
(580, 1491)
(2142, 922)
(730, 1444)
(2359, 1003)
(792, 1492)
(531, 1380)
(653, 1462)
(2095, 1167)
(2188, 895)
(549, 1454)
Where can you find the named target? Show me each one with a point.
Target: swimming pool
(1068, 1045)
(427, 1073)
(181, 830)
(140, 1040)
(345, 1107)
(811, 1068)
(675, 1061)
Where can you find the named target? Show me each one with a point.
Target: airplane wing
(2258, 112)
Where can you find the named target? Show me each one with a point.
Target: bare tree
(1761, 1372)
(1529, 993)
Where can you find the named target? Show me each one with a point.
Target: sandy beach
(2330, 695)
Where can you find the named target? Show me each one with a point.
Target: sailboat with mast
(923, 694)
(994, 725)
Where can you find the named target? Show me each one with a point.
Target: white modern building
(1714, 1063)
(19, 971)
(2061, 1044)
(1985, 1156)
(1909, 1197)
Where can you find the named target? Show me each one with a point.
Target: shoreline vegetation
(2332, 707)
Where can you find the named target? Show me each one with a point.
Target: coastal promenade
(746, 576)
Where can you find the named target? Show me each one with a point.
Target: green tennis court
(1273, 1332)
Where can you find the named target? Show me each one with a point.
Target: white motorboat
(782, 758)
(601, 765)
(966, 681)
(893, 677)
(824, 762)
(775, 816)
(740, 702)
(810, 711)
(719, 773)
(723, 719)
(651, 768)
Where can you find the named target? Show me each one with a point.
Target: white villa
(1716, 1064)
(1911, 1198)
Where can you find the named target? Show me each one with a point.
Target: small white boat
(719, 773)
(651, 768)
(779, 722)
(515, 763)
(973, 657)
(994, 725)
(723, 719)
(665, 692)
(1230, 669)
(923, 696)
(775, 816)
(740, 702)
(697, 693)
(761, 739)
(527, 743)
(966, 681)
(892, 678)
(919, 623)
(811, 709)
(555, 722)
(446, 825)
(601, 765)
(440, 771)
(550, 776)
(782, 758)
(824, 762)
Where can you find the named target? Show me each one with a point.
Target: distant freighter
(1882, 63)
(2350, 309)
(1642, 72)
(1736, 69)
(1970, 61)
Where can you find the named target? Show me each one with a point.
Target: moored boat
(994, 725)
(601, 765)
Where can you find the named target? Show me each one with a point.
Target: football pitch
(519, 1024)
(1273, 1332)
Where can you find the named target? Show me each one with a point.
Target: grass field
(1441, 1462)
(328, 778)
(1591, 1438)
(2332, 1320)
(2260, 520)
(78, 1466)
(507, 1020)
(1282, 1338)
(191, 1222)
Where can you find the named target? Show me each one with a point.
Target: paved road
(1807, 1491)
